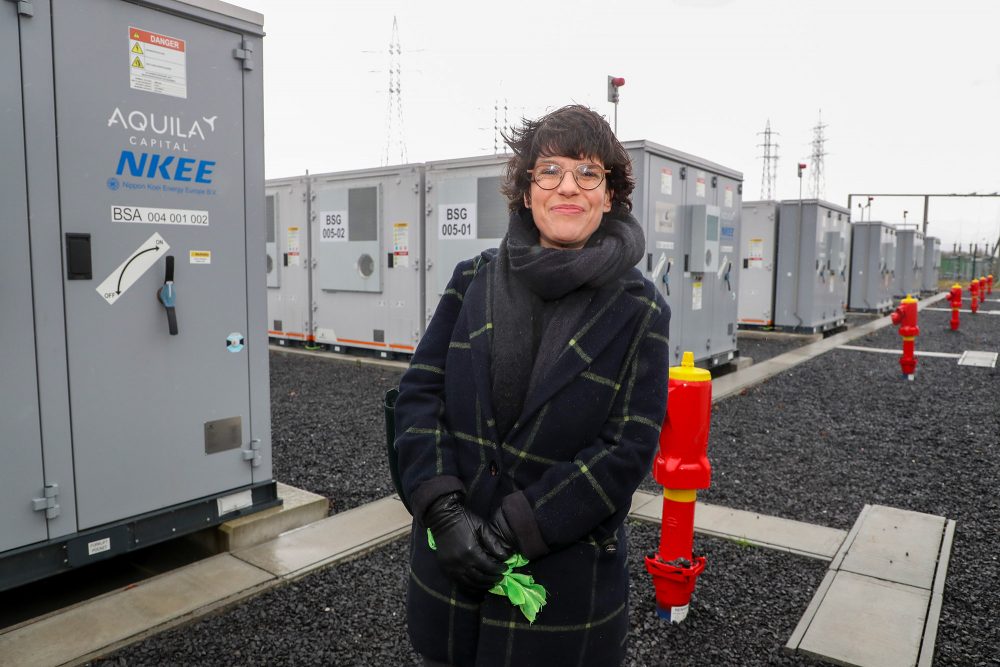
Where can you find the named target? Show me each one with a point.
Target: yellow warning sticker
(200, 256)
(137, 49)
(137, 63)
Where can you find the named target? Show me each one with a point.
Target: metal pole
(927, 201)
(616, 119)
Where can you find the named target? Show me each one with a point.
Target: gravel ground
(976, 332)
(761, 349)
(328, 429)
(744, 609)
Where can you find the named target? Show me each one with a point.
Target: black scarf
(538, 296)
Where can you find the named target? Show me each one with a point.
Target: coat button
(610, 549)
(493, 468)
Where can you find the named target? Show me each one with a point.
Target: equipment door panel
(21, 475)
(151, 166)
(664, 234)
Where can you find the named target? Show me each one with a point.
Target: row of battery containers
(891, 263)
(360, 259)
(796, 266)
(805, 264)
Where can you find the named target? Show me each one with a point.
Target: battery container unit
(873, 267)
(286, 223)
(759, 233)
(689, 209)
(909, 262)
(134, 293)
(465, 213)
(932, 264)
(810, 291)
(366, 231)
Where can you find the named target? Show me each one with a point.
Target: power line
(395, 138)
(816, 159)
(769, 172)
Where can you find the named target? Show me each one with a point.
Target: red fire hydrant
(955, 299)
(905, 317)
(682, 467)
(974, 292)
(989, 284)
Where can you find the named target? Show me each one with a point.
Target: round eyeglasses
(587, 176)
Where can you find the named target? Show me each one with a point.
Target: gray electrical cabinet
(136, 405)
(286, 223)
(759, 232)
(932, 264)
(465, 213)
(810, 292)
(366, 240)
(690, 212)
(909, 263)
(873, 267)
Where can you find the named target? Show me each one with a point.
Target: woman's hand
(456, 535)
(497, 537)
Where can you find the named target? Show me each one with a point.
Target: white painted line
(965, 310)
(917, 353)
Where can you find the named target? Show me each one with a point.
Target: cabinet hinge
(253, 454)
(245, 53)
(24, 7)
(49, 502)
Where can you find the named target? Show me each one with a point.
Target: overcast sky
(910, 91)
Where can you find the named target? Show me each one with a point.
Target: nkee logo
(167, 167)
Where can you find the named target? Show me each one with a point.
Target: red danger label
(156, 39)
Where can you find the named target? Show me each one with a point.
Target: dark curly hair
(572, 131)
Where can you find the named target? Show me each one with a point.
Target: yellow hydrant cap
(908, 299)
(956, 285)
(688, 372)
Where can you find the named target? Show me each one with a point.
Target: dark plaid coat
(565, 474)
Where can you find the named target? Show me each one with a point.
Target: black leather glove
(497, 537)
(458, 551)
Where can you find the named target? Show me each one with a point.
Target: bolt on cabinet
(142, 408)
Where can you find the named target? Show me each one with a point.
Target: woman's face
(567, 215)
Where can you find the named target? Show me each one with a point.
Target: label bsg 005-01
(457, 221)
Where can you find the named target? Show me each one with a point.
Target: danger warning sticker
(157, 63)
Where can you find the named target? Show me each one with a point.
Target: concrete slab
(340, 536)
(767, 531)
(299, 508)
(937, 598)
(980, 359)
(868, 622)
(896, 545)
(105, 623)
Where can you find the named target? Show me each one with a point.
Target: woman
(531, 412)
